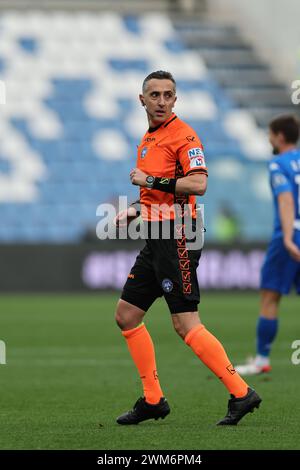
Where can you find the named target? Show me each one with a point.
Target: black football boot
(143, 410)
(239, 407)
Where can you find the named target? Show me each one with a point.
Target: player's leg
(176, 270)
(211, 352)
(266, 330)
(129, 318)
(138, 295)
(176, 273)
(277, 276)
(267, 326)
(269, 303)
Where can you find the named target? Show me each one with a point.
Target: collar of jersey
(163, 124)
(290, 152)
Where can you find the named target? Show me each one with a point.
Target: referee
(170, 172)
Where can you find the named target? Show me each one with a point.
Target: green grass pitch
(69, 375)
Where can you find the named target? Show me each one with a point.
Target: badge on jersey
(196, 157)
(273, 166)
(278, 180)
(143, 152)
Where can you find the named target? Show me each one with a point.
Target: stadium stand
(71, 121)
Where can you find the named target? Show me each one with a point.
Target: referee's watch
(150, 181)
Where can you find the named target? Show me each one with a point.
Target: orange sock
(213, 355)
(141, 348)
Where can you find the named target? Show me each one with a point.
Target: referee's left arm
(192, 184)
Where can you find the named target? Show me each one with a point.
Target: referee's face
(159, 99)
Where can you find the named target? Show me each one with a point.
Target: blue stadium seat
(85, 91)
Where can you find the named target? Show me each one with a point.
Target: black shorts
(164, 268)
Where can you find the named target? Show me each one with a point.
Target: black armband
(137, 206)
(166, 185)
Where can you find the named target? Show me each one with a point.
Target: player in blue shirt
(281, 268)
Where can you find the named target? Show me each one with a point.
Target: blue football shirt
(285, 176)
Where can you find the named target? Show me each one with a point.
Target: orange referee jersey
(171, 150)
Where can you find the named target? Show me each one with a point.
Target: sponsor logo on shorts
(167, 285)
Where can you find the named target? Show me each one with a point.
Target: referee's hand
(125, 217)
(138, 177)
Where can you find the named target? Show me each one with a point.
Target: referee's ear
(142, 100)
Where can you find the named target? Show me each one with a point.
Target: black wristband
(167, 185)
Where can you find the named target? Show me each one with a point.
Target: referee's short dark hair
(160, 75)
(288, 125)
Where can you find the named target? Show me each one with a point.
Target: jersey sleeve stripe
(196, 170)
